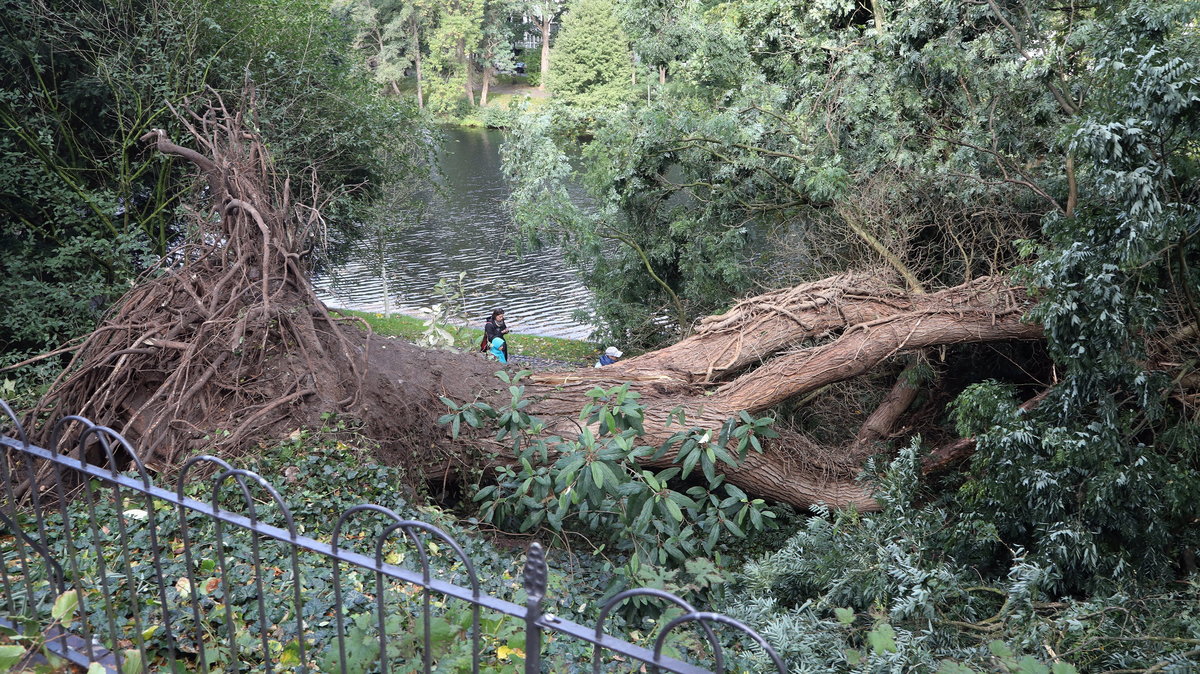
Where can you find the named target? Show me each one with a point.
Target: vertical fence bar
(97, 548)
(123, 536)
(534, 576)
(18, 545)
(86, 622)
(256, 556)
(10, 596)
(188, 562)
(5, 582)
(226, 588)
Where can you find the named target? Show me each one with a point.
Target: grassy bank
(534, 346)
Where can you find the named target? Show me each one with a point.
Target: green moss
(534, 346)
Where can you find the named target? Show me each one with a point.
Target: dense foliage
(935, 142)
(658, 530)
(450, 53)
(591, 57)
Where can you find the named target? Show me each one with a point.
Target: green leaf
(682, 500)
(844, 615)
(710, 471)
(853, 657)
(132, 662)
(882, 639)
(724, 455)
(650, 480)
(689, 462)
(1000, 649)
(643, 518)
(597, 474)
(65, 605)
(10, 655)
(734, 529)
(94, 668)
(290, 656)
(673, 508)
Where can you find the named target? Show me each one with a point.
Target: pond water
(466, 228)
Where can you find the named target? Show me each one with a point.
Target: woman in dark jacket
(495, 327)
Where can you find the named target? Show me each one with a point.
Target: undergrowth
(906, 589)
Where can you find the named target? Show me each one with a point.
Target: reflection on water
(467, 229)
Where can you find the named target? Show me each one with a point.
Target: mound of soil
(401, 396)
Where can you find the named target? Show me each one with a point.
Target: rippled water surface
(467, 229)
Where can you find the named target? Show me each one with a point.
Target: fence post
(535, 590)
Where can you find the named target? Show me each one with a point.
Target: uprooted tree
(224, 344)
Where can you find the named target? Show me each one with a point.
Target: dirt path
(517, 90)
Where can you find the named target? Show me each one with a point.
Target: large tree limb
(757, 328)
(865, 346)
(869, 324)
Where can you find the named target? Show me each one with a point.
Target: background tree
(663, 31)
(501, 28)
(591, 57)
(452, 54)
(391, 37)
(544, 14)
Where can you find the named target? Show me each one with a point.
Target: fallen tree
(753, 358)
(224, 344)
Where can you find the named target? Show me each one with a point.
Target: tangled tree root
(225, 336)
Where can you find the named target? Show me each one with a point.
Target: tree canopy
(591, 57)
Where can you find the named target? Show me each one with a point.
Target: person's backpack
(483, 343)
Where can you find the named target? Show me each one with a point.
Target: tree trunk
(417, 64)
(483, 92)
(544, 25)
(662, 75)
(470, 84)
(862, 324)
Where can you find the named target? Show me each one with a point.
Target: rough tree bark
(544, 24)
(759, 355)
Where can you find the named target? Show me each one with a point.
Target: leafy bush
(912, 587)
(595, 485)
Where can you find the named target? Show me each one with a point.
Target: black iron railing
(90, 572)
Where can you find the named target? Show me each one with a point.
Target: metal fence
(101, 566)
